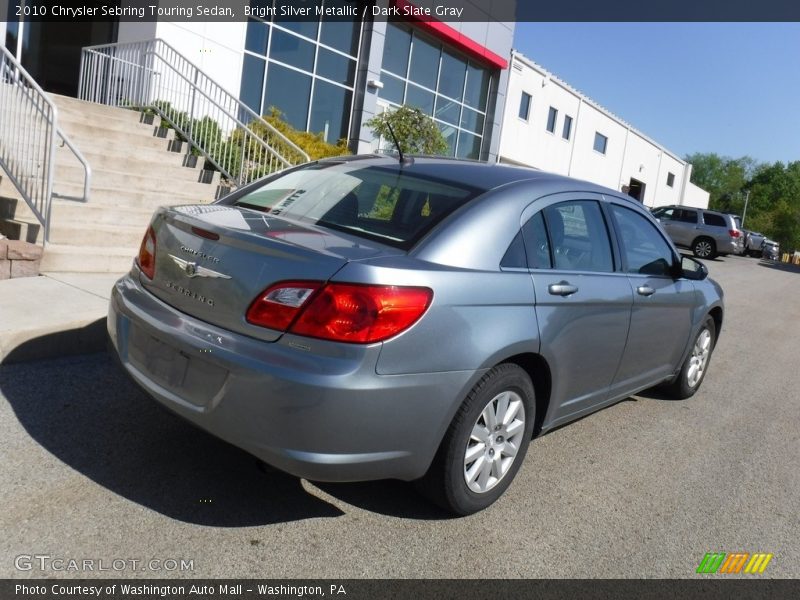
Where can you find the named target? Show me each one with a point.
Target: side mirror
(692, 268)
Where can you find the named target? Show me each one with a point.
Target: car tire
(471, 471)
(694, 368)
(704, 248)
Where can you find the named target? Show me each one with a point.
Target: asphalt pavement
(93, 470)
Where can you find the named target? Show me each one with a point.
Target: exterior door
(662, 305)
(582, 306)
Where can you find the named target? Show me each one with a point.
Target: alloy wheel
(699, 359)
(494, 443)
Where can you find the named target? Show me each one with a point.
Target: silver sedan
(366, 318)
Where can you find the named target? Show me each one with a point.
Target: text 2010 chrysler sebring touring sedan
(365, 317)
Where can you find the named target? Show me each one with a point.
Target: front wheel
(695, 366)
(485, 443)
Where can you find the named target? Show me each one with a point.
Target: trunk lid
(213, 261)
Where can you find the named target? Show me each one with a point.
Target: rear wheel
(695, 366)
(704, 248)
(485, 444)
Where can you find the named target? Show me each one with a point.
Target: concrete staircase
(135, 168)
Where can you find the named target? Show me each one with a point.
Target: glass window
(257, 35)
(525, 106)
(567, 131)
(335, 67)
(714, 220)
(448, 110)
(477, 88)
(419, 98)
(514, 258)
(424, 63)
(670, 179)
(451, 79)
(686, 216)
(340, 34)
(469, 146)
(386, 204)
(393, 89)
(288, 91)
(307, 28)
(330, 111)
(578, 237)
(291, 50)
(644, 249)
(395, 49)
(537, 246)
(471, 120)
(551, 119)
(600, 142)
(450, 134)
(252, 82)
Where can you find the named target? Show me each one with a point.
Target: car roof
(480, 175)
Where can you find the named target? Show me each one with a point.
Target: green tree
(724, 178)
(416, 132)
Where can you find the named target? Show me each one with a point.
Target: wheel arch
(538, 370)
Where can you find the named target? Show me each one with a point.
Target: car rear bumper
(325, 417)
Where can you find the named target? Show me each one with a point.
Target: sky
(728, 88)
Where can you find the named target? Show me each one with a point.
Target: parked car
(707, 233)
(770, 250)
(753, 242)
(367, 318)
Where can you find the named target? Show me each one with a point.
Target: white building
(551, 126)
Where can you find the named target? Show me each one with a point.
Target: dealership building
(331, 76)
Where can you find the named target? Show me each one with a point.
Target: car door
(685, 226)
(662, 304)
(582, 306)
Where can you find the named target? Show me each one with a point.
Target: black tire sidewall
(506, 377)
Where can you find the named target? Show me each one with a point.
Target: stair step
(137, 198)
(122, 160)
(68, 103)
(156, 175)
(87, 259)
(99, 234)
(28, 230)
(64, 211)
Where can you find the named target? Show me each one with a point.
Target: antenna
(403, 159)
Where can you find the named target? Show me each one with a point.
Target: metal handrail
(28, 132)
(152, 75)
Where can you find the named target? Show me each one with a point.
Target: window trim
(670, 179)
(567, 137)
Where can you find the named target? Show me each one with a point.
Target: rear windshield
(382, 203)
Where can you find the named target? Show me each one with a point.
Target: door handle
(645, 290)
(562, 288)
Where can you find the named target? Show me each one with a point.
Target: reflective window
(578, 237)
(567, 131)
(424, 63)
(323, 66)
(525, 106)
(714, 220)
(291, 50)
(288, 91)
(439, 82)
(600, 142)
(396, 47)
(451, 79)
(551, 119)
(644, 249)
(330, 108)
(537, 246)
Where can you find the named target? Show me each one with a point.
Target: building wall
(629, 153)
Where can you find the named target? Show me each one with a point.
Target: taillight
(147, 253)
(341, 312)
(278, 305)
(734, 233)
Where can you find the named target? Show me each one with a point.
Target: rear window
(384, 203)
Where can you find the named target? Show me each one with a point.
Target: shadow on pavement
(779, 266)
(88, 414)
(90, 338)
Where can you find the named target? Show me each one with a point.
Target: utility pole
(744, 212)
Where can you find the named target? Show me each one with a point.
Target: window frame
(623, 259)
(670, 179)
(598, 135)
(527, 116)
(566, 133)
(552, 120)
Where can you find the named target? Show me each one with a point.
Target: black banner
(410, 10)
(358, 589)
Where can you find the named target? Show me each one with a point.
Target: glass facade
(421, 72)
(304, 69)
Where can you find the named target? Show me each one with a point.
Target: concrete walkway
(53, 315)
